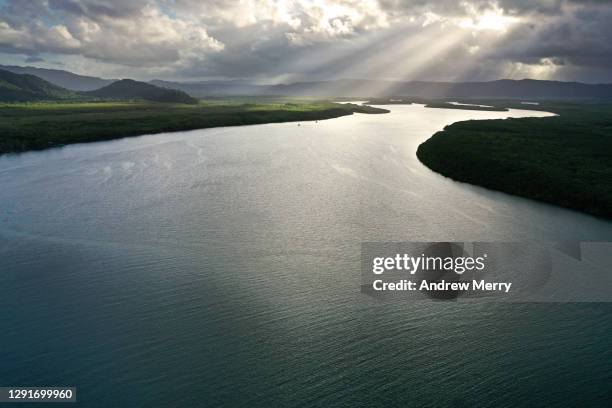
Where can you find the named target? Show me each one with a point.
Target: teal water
(221, 267)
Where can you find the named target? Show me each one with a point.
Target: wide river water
(221, 267)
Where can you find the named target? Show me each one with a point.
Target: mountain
(62, 78)
(170, 91)
(27, 88)
(214, 88)
(130, 89)
(501, 89)
(24, 88)
(505, 88)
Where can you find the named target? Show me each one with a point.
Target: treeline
(42, 125)
(564, 160)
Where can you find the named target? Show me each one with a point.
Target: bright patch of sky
(283, 40)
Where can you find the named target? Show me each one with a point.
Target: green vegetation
(391, 101)
(564, 160)
(438, 103)
(435, 103)
(130, 89)
(363, 108)
(473, 106)
(41, 125)
(30, 88)
(22, 88)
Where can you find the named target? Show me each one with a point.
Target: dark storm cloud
(34, 59)
(284, 40)
(95, 8)
(453, 7)
(582, 37)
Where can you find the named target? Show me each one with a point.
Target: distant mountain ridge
(499, 89)
(30, 88)
(65, 79)
(215, 88)
(130, 89)
(504, 88)
(26, 88)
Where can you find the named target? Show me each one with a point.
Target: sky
(271, 41)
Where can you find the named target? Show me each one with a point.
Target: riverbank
(36, 126)
(563, 160)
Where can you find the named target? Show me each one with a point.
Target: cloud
(318, 39)
(34, 59)
(129, 35)
(95, 9)
(580, 37)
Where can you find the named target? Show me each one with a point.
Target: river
(220, 267)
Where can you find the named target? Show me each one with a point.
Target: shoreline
(559, 160)
(43, 126)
